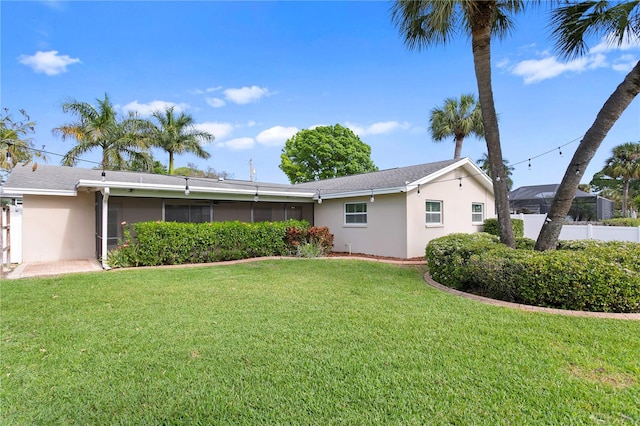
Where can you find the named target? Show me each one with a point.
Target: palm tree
(431, 22)
(458, 119)
(99, 127)
(176, 134)
(15, 145)
(624, 164)
(483, 163)
(573, 23)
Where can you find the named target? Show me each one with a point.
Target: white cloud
(276, 135)
(150, 107)
(219, 130)
(378, 128)
(49, 63)
(215, 102)
(246, 95)
(624, 63)
(239, 143)
(610, 43)
(536, 70)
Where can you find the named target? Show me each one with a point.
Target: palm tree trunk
(170, 162)
(458, 150)
(481, 43)
(606, 118)
(625, 195)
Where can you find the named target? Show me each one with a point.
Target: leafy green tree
(323, 153)
(425, 23)
(99, 127)
(573, 24)
(624, 165)
(192, 170)
(483, 163)
(15, 144)
(157, 167)
(457, 119)
(176, 134)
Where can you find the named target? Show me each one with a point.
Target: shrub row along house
(75, 213)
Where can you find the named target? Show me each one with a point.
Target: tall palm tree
(458, 119)
(572, 25)
(176, 134)
(624, 164)
(99, 127)
(431, 22)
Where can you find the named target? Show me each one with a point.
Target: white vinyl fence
(533, 224)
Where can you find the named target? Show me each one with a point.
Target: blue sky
(254, 73)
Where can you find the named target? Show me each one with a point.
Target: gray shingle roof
(59, 178)
(382, 179)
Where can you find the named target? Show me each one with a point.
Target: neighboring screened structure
(537, 200)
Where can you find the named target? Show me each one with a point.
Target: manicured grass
(301, 342)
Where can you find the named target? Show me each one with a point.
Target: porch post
(105, 227)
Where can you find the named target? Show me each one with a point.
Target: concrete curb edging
(494, 302)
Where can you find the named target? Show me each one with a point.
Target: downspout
(105, 222)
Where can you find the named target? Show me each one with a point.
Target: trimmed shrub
(172, 243)
(580, 275)
(491, 227)
(557, 279)
(447, 256)
(622, 221)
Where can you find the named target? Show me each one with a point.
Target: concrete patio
(41, 269)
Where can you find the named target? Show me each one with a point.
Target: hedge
(172, 243)
(491, 227)
(580, 275)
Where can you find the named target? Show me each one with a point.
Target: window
(355, 213)
(262, 213)
(433, 212)
(193, 213)
(477, 212)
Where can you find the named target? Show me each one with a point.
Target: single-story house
(536, 199)
(73, 213)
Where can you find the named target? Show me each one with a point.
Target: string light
(103, 176)
(256, 198)
(372, 199)
(239, 183)
(186, 186)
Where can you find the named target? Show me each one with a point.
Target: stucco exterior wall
(385, 233)
(456, 209)
(58, 228)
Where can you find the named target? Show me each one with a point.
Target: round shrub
(580, 275)
(446, 256)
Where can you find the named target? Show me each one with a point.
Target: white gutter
(180, 188)
(360, 193)
(56, 192)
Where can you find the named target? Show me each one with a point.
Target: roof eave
(99, 184)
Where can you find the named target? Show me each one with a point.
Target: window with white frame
(433, 212)
(477, 212)
(355, 213)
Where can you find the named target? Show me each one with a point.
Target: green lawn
(301, 342)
